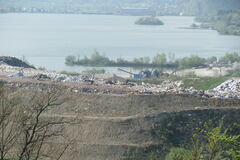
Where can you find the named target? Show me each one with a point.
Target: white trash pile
(166, 86)
(16, 72)
(228, 89)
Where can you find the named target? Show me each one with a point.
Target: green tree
(178, 154)
(212, 59)
(192, 61)
(70, 60)
(230, 57)
(146, 60)
(121, 61)
(211, 143)
(138, 61)
(159, 59)
(98, 59)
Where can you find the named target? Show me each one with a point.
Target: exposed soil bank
(116, 127)
(138, 105)
(137, 137)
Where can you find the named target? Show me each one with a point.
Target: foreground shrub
(178, 154)
(210, 143)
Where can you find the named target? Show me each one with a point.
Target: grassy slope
(203, 83)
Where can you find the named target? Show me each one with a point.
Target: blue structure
(137, 75)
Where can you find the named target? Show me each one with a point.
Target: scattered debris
(228, 89)
(19, 74)
(110, 82)
(41, 77)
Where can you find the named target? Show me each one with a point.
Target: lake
(46, 39)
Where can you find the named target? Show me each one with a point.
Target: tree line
(174, 7)
(159, 60)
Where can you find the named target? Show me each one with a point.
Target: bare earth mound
(116, 127)
(117, 122)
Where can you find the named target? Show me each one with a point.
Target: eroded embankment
(137, 137)
(116, 127)
(137, 105)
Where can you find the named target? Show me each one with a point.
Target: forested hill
(161, 7)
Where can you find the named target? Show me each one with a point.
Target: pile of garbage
(166, 87)
(228, 89)
(20, 72)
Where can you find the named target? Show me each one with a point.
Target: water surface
(46, 39)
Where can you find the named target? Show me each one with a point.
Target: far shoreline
(110, 14)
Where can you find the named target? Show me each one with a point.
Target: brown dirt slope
(116, 127)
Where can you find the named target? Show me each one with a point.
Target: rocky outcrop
(12, 61)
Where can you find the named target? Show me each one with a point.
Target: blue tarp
(137, 76)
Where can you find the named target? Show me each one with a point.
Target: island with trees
(149, 21)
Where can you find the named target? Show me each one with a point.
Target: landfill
(228, 89)
(12, 71)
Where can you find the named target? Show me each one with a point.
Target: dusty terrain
(119, 126)
(120, 121)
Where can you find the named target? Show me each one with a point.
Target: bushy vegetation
(70, 73)
(159, 60)
(203, 83)
(178, 154)
(199, 83)
(212, 143)
(70, 60)
(230, 58)
(149, 21)
(225, 22)
(192, 61)
(41, 68)
(94, 71)
(97, 59)
(235, 71)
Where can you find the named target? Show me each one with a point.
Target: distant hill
(160, 7)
